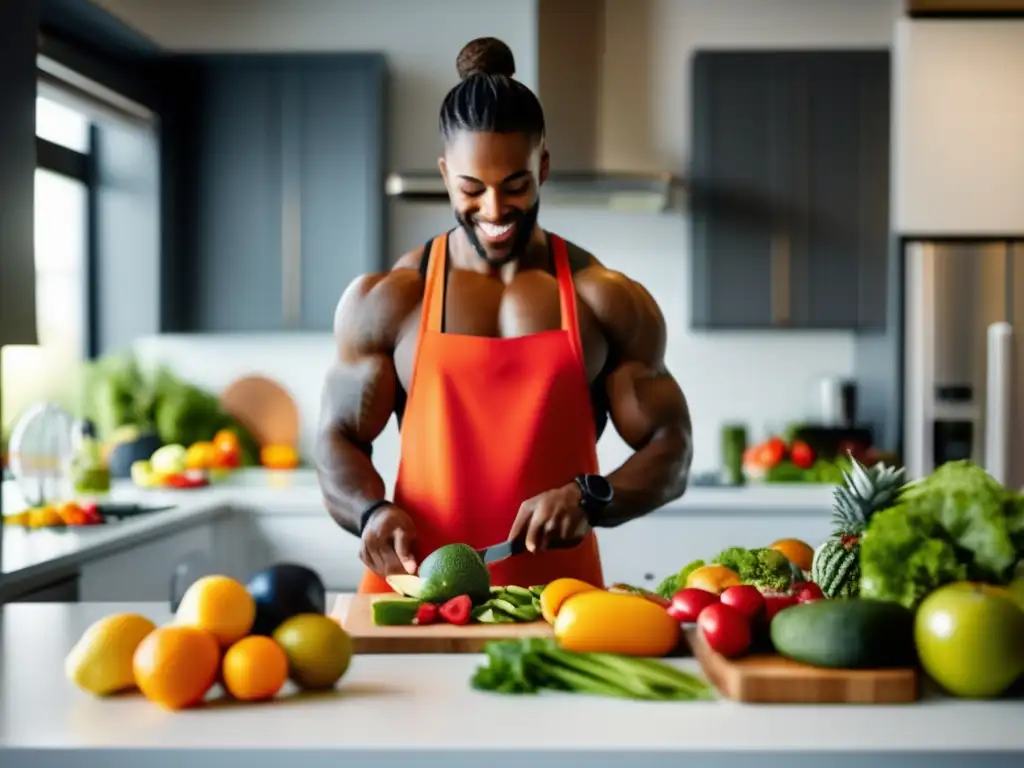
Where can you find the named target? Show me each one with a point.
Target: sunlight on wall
(33, 374)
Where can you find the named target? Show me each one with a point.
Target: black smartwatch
(596, 493)
(364, 519)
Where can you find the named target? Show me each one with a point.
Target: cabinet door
(840, 251)
(236, 276)
(312, 540)
(741, 170)
(647, 550)
(143, 572)
(335, 125)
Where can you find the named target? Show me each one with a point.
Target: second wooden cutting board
(356, 616)
(771, 679)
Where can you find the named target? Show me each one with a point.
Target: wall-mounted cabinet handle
(779, 268)
(291, 209)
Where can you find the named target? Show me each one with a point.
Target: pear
(100, 663)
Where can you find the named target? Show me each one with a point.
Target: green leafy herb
(120, 393)
(958, 523)
(676, 581)
(530, 665)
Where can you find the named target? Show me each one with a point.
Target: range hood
(579, 189)
(570, 47)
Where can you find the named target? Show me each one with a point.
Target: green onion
(534, 664)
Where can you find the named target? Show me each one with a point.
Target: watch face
(599, 488)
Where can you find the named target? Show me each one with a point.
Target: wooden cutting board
(356, 615)
(772, 679)
(264, 408)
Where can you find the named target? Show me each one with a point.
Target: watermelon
(836, 567)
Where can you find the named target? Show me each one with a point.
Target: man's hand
(388, 542)
(553, 519)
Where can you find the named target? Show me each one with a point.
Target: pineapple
(864, 491)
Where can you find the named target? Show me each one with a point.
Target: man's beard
(524, 223)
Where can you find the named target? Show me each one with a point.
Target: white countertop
(391, 703)
(27, 552)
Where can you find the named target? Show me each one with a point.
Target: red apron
(490, 423)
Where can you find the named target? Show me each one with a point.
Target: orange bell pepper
(608, 622)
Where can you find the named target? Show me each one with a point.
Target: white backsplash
(762, 378)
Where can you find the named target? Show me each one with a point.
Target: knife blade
(121, 510)
(496, 552)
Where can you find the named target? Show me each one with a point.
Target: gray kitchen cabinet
(789, 189)
(281, 195)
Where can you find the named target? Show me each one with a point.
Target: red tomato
(688, 603)
(745, 598)
(771, 452)
(775, 603)
(801, 454)
(809, 593)
(726, 629)
(227, 457)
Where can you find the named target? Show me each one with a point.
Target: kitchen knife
(121, 510)
(496, 552)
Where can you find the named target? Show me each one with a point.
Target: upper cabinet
(277, 166)
(790, 189)
(959, 127)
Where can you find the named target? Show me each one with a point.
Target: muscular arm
(646, 405)
(360, 390)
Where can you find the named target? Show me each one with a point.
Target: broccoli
(765, 568)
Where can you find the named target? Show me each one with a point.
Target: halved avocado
(405, 584)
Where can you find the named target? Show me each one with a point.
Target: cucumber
(846, 633)
(527, 613)
(395, 613)
(517, 599)
(503, 605)
(491, 616)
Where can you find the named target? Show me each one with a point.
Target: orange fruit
(713, 578)
(226, 440)
(557, 592)
(175, 666)
(254, 668)
(279, 457)
(220, 605)
(799, 553)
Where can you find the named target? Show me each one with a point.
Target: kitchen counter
(30, 555)
(297, 489)
(390, 706)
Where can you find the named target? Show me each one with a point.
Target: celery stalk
(526, 666)
(606, 674)
(660, 677)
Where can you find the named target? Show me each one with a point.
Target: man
(503, 351)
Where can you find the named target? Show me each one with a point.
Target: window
(62, 198)
(63, 260)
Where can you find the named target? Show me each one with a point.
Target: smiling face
(493, 182)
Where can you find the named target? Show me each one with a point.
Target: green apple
(970, 639)
(1016, 586)
(142, 474)
(168, 459)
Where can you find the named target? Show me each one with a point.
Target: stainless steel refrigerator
(963, 355)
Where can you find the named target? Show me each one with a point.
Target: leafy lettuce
(958, 523)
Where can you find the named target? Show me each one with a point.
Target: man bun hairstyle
(487, 97)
